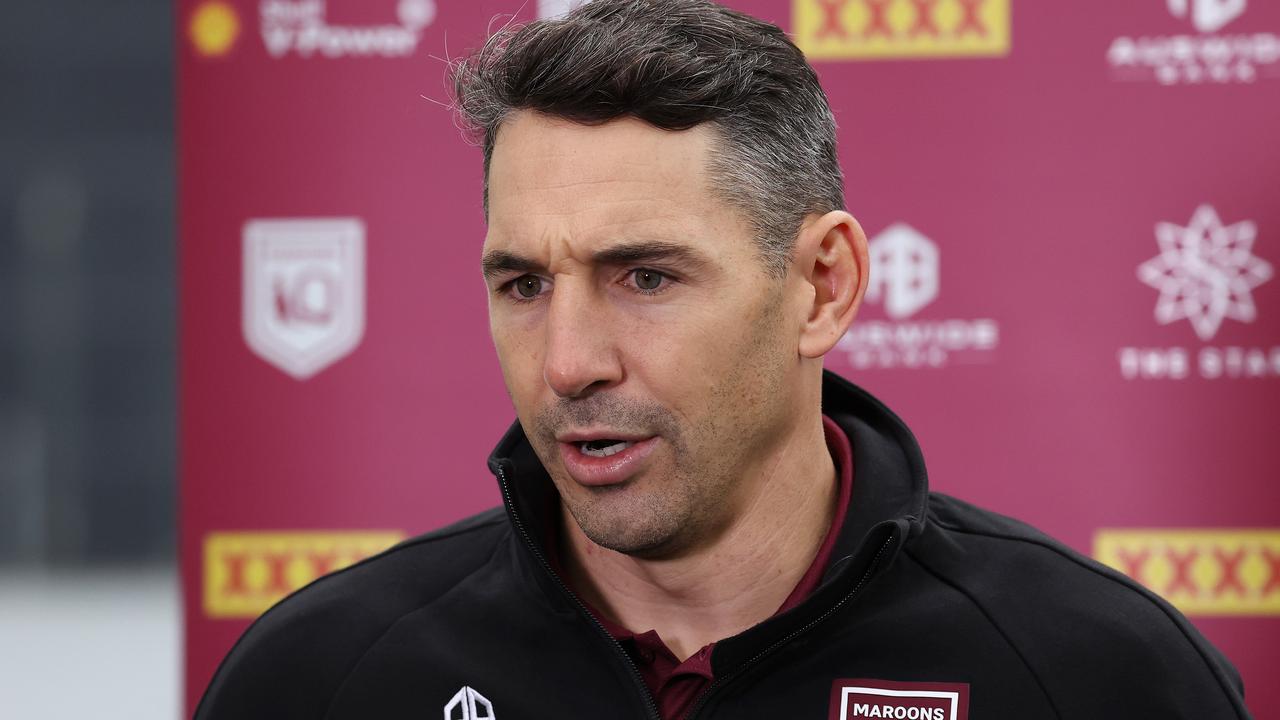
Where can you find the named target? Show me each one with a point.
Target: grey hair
(675, 64)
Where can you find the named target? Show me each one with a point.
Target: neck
(733, 582)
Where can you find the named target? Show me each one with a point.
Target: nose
(581, 355)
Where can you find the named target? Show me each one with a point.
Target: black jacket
(921, 588)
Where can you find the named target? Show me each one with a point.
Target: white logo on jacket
(467, 704)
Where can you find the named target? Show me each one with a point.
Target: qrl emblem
(468, 704)
(303, 291)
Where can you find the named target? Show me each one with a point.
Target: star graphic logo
(1205, 272)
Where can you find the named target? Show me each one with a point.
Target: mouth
(601, 460)
(603, 448)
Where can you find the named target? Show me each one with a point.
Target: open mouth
(598, 461)
(603, 447)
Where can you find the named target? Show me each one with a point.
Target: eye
(648, 280)
(528, 286)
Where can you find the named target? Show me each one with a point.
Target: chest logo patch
(468, 704)
(891, 700)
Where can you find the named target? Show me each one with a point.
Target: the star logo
(1205, 272)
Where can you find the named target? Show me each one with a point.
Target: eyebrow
(502, 262)
(652, 251)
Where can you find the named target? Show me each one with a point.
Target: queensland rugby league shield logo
(303, 291)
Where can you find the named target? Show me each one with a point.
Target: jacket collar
(890, 496)
(889, 481)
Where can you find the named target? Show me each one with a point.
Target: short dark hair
(674, 64)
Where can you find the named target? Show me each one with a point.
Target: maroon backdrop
(1074, 216)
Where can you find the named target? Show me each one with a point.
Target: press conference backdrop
(1074, 229)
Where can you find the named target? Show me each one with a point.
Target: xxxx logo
(1202, 572)
(881, 29)
(247, 572)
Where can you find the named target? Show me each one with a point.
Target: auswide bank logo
(303, 291)
(883, 699)
(887, 29)
(1206, 55)
(1200, 571)
(905, 278)
(303, 28)
(247, 572)
(467, 704)
(1205, 273)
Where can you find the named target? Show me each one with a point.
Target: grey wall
(87, 297)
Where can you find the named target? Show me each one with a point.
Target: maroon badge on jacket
(887, 699)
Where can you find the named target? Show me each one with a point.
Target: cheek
(683, 356)
(734, 364)
(519, 355)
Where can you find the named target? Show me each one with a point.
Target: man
(698, 522)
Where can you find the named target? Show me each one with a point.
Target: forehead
(549, 175)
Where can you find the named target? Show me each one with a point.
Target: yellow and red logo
(1201, 572)
(213, 28)
(247, 572)
(887, 29)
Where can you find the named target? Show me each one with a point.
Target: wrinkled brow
(639, 253)
(502, 262)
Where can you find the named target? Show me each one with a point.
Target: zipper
(719, 682)
(653, 713)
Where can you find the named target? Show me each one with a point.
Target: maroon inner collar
(676, 684)
(842, 456)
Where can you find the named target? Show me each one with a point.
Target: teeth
(606, 451)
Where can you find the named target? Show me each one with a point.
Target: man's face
(647, 352)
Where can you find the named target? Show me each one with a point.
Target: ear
(831, 252)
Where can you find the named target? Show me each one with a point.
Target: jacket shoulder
(1097, 641)
(293, 659)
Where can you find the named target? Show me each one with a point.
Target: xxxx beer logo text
(1202, 572)
(247, 572)
(876, 29)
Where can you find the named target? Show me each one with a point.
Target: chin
(618, 528)
(644, 548)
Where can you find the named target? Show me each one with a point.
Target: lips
(602, 459)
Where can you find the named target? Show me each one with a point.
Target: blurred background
(89, 622)
(1057, 195)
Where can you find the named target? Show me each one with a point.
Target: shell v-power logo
(213, 28)
(889, 29)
